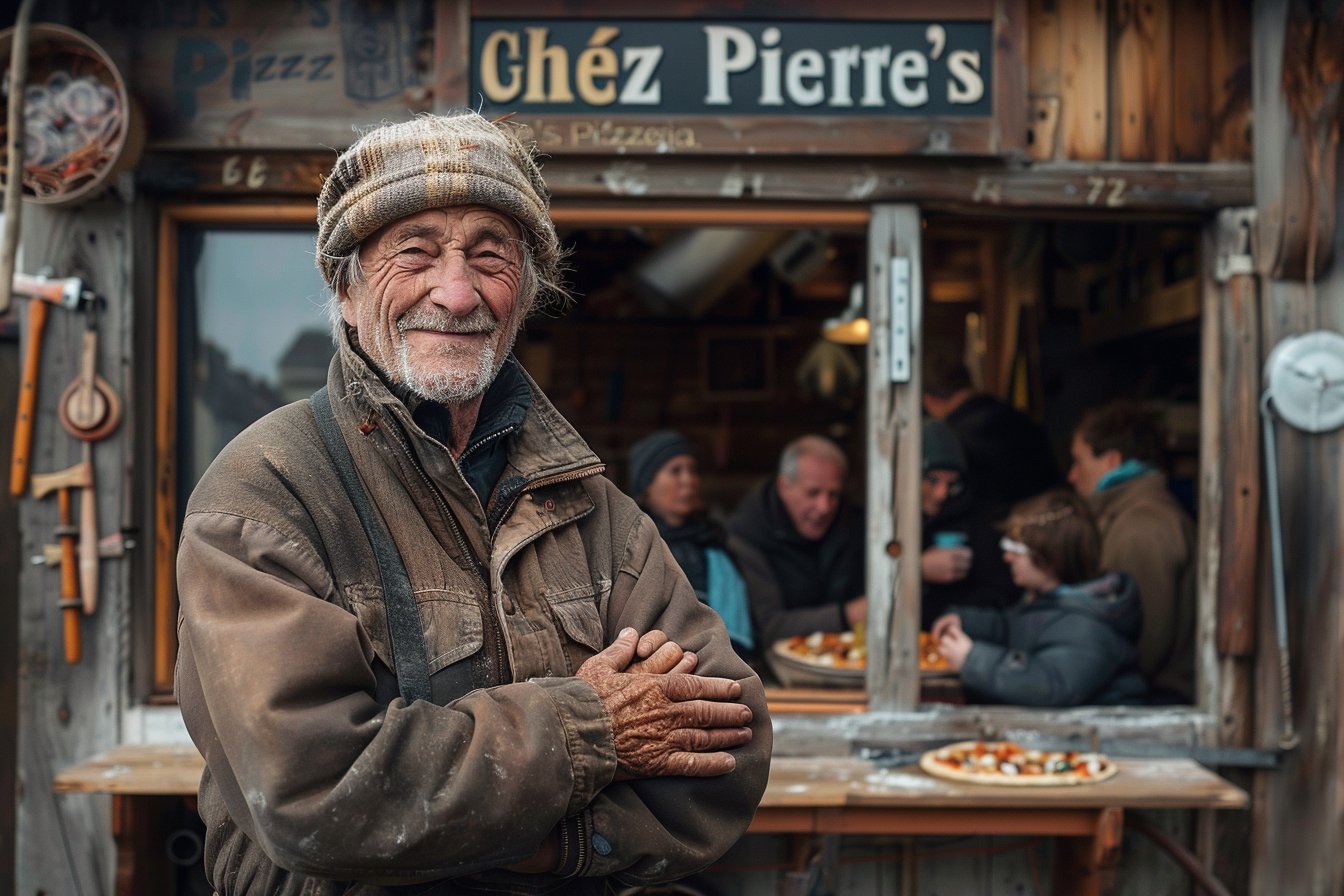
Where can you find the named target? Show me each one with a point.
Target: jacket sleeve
(1074, 659)
(660, 829)
(276, 685)
(1154, 554)
(982, 624)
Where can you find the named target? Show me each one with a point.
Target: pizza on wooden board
(1004, 762)
(849, 650)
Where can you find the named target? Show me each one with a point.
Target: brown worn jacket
(1145, 533)
(319, 778)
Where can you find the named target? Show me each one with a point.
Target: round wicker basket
(80, 124)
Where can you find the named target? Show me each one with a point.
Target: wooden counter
(812, 797)
(806, 797)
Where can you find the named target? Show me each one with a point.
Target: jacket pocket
(453, 626)
(451, 622)
(575, 608)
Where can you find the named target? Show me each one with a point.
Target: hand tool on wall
(110, 547)
(89, 410)
(79, 476)
(70, 293)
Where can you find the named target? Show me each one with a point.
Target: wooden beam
(1195, 189)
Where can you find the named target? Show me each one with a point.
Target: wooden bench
(807, 797)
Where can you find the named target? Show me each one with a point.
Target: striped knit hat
(433, 161)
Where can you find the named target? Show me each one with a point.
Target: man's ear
(347, 306)
(1111, 458)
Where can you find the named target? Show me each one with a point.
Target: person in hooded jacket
(1073, 638)
(664, 478)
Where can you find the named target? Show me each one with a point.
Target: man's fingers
(617, 655)
(695, 687)
(650, 642)
(699, 765)
(709, 714)
(708, 740)
(666, 658)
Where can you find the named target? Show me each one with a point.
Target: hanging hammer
(70, 293)
(79, 476)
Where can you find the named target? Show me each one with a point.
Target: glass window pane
(253, 335)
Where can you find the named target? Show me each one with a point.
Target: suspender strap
(403, 619)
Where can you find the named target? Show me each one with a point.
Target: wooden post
(894, 412)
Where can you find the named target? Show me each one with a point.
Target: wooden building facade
(1082, 199)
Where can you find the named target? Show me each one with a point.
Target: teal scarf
(728, 597)
(1130, 469)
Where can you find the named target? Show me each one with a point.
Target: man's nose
(453, 286)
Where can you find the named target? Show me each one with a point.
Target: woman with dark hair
(1073, 637)
(665, 480)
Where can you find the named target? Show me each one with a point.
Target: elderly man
(1144, 532)
(426, 646)
(812, 540)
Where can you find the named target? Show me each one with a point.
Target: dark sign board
(680, 68)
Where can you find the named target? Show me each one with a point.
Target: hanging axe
(66, 292)
(79, 476)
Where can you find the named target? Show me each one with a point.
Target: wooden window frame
(891, 710)
(164, 500)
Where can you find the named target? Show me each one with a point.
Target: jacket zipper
(543, 482)
(502, 667)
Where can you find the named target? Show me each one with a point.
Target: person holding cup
(958, 563)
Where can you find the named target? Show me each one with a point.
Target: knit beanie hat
(434, 161)
(942, 451)
(648, 455)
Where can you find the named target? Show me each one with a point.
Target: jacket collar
(544, 445)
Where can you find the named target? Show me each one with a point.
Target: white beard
(454, 381)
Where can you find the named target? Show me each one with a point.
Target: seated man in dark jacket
(1073, 638)
(811, 538)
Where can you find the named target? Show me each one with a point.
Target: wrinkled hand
(944, 565)
(657, 654)
(666, 724)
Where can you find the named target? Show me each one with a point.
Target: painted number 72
(1108, 191)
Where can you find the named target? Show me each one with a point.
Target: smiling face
(674, 491)
(439, 305)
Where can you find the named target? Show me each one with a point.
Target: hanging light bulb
(849, 327)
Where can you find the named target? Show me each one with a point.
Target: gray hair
(810, 446)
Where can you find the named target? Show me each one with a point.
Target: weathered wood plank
(1044, 62)
(1191, 87)
(1140, 86)
(1083, 70)
(1230, 80)
(67, 711)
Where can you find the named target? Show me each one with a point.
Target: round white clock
(1305, 378)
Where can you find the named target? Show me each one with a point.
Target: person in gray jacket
(425, 645)
(1072, 639)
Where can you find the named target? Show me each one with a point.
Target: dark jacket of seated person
(1062, 644)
